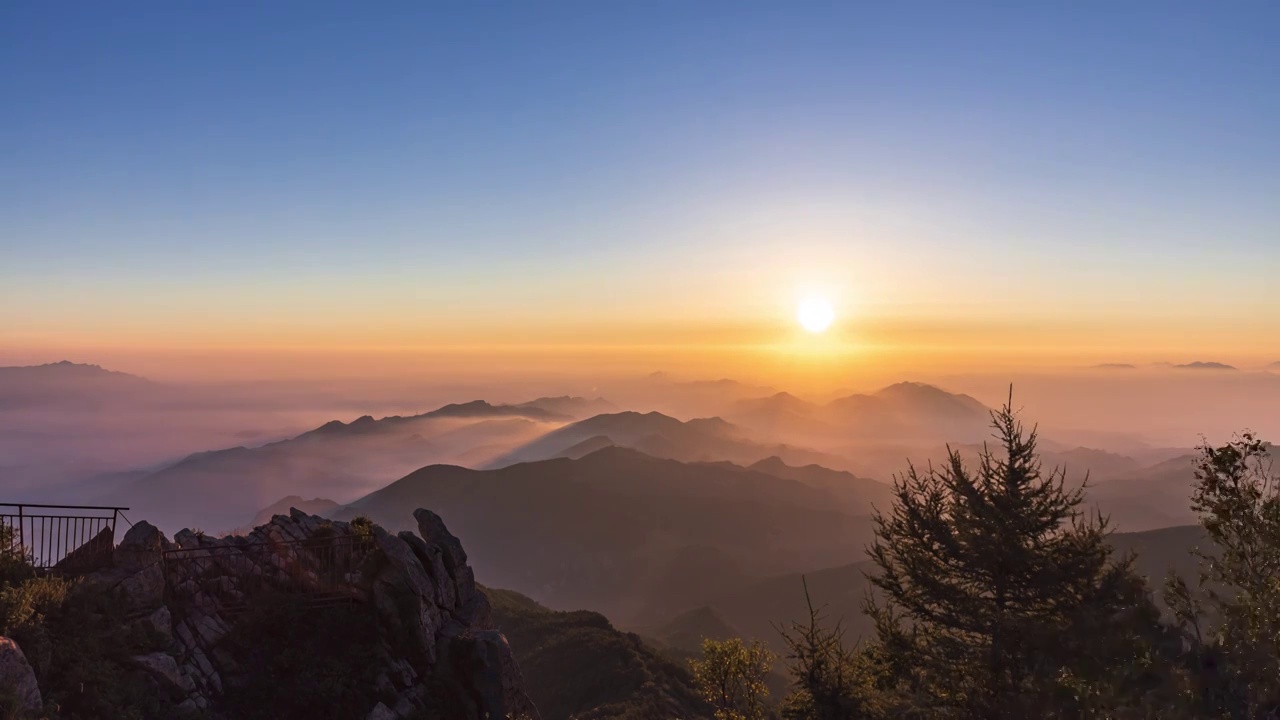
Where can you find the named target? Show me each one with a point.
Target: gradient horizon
(313, 188)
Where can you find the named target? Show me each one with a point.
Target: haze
(602, 285)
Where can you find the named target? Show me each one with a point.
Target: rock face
(17, 679)
(436, 644)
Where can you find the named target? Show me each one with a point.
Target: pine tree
(830, 681)
(993, 586)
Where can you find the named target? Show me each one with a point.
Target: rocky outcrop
(436, 646)
(17, 679)
(90, 556)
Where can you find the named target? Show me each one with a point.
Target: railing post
(22, 543)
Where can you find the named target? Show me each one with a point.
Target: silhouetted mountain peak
(617, 454)
(773, 462)
(713, 425)
(1201, 365)
(687, 630)
(570, 406)
(588, 446)
(332, 426)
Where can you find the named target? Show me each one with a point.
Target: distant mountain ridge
(222, 489)
(66, 383)
(757, 607)
(906, 411)
(701, 439)
(283, 506)
(622, 532)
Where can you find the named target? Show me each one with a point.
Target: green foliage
(361, 525)
(828, 680)
(79, 645)
(14, 565)
(999, 599)
(1231, 626)
(303, 662)
(28, 602)
(732, 677)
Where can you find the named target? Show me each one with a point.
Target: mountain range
(222, 489)
(703, 439)
(629, 534)
(756, 608)
(904, 412)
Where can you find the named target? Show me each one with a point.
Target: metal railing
(63, 538)
(320, 570)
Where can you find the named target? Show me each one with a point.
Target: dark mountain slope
(756, 608)
(625, 533)
(576, 665)
(857, 495)
(588, 446)
(687, 630)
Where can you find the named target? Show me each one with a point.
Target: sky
(275, 188)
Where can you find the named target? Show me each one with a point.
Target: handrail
(63, 507)
(316, 569)
(78, 540)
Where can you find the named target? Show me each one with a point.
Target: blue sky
(297, 164)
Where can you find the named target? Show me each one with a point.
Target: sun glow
(815, 314)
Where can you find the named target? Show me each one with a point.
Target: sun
(815, 314)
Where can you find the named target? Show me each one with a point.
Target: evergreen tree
(1232, 624)
(829, 681)
(997, 596)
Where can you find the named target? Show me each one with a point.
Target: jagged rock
(431, 528)
(92, 555)
(160, 622)
(187, 538)
(143, 589)
(136, 575)
(435, 641)
(164, 668)
(404, 597)
(141, 547)
(17, 679)
(482, 662)
(432, 559)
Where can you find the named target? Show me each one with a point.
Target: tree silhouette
(997, 596)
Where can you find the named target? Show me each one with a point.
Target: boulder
(404, 598)
(94, 554)
(141, 547)
(17, 679)
(164, 668)
(482, 664)
(435, 637)
(431, 528)
(144, 589)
